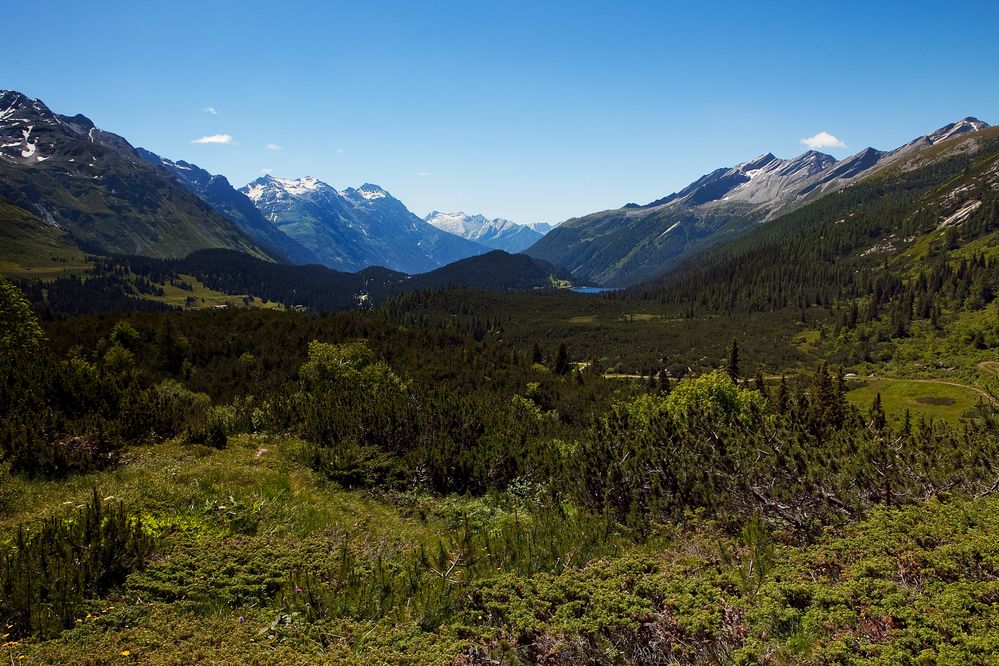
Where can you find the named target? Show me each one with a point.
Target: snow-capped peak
(255, 191)
(298, 186)
(497, 233)
(284, 187)
(370, 192)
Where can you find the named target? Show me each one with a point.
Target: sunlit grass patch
(933, 400)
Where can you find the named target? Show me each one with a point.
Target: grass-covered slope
(33, 248)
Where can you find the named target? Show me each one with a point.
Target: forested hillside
(121, 283)
(918, 219)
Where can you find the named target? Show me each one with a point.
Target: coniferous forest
(263, 487)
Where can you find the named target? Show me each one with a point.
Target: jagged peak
(966, 125)
(757, 162)
(368, 192)
(13, 102)
(813, 155)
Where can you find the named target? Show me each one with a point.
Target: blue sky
(527, 110)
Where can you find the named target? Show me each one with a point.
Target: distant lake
(592, 290)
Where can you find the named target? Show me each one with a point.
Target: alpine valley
(288, 423)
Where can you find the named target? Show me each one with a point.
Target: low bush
(47, 576)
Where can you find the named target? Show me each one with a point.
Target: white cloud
(211, 110)
(214, 138)
(424, 173)
(265, 171)
(274, 146)
(823, 140)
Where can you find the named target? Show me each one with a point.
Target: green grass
(934, 400)
(34, 249)
(233, 525)
(806, 341)
(204, 297)
(256, 476)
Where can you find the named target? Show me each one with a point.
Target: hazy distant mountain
(357, 227)
(633, 243)
(95, 186)
(235, 206)
(498, 233)
(541, 227)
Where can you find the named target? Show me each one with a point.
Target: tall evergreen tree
(561, 365)
(733, 360)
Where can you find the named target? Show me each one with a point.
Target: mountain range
(65, 184)
(107, 196)
(355, 228)
(498, 233)
(915, 240)
(232, 204)
(638, 242)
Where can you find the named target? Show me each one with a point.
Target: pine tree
(664, 386)
(561, 365)
(783, 396)
(761, 386)
(536, 356)
(733, 361)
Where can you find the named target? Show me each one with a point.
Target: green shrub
(46, 576)
(41, 444)
(174, 407)
(432, 584)
(208, 429)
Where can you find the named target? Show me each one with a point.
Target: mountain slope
(33, 248)
(356, 228)
(96, 187)
(498, 233)
(635, 243)
(929, 209)
(232, 204)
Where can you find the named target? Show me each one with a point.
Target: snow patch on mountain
(498, 233)
(355, 228)
(298, 186)
(965, 126)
